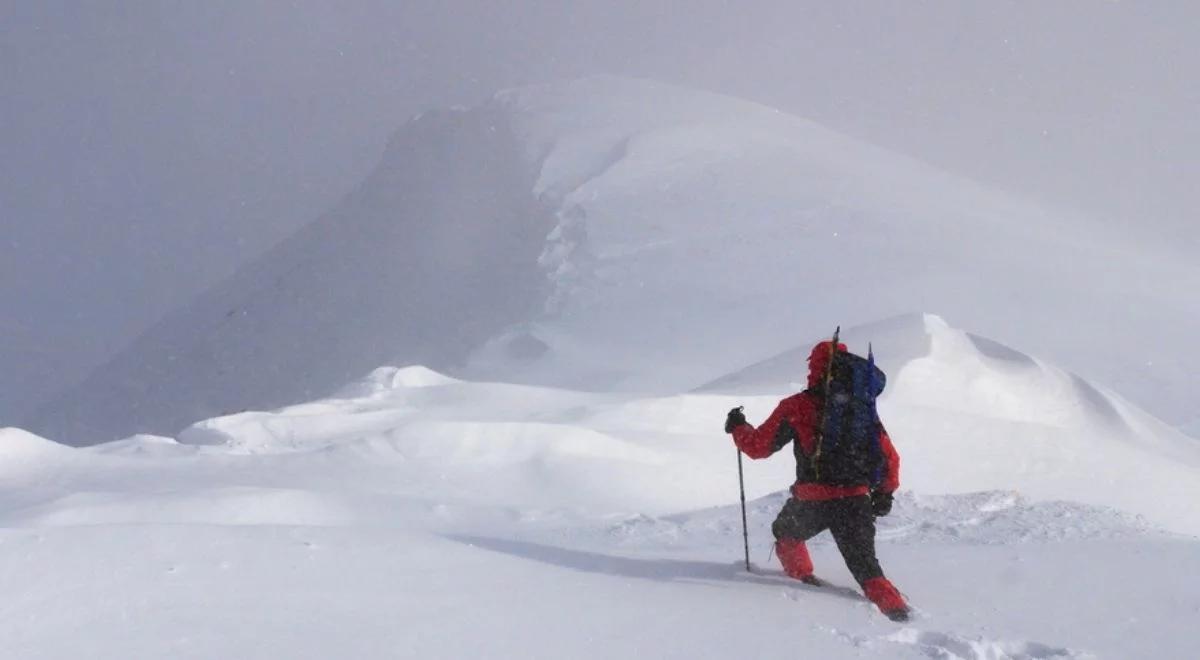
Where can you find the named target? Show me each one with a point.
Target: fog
(148, 149)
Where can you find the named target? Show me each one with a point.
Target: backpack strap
(819, 434)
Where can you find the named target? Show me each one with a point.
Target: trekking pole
(742, 488)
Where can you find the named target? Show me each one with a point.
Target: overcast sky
(149, 148)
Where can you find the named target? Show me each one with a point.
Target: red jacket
(802, 412)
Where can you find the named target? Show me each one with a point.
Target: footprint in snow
(958, 647)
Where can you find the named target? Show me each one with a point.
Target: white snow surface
(418, 515)
(555, 482)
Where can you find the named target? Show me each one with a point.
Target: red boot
(883, 593)
(793, 555)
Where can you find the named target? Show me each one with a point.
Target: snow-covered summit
(623, 234)
(697, 233)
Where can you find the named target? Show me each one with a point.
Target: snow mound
(296, 429)
(969, 374)
(18, 445)
(896, 341)
(24, 455)
(144, 445)
(933, 365)
(385, 379)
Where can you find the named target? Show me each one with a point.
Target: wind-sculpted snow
(896, 342)
(25, 457)
(931, 364)
(18, 447)
(967, 413)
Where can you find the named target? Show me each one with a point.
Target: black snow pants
(850, 520)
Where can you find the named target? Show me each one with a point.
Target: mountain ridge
(624, 234)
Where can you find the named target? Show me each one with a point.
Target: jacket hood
(818, 360)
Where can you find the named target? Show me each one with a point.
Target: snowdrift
(967, 413)
(614, 234)
(24, 456)
(934, 366)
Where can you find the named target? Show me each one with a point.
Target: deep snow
(418, 515)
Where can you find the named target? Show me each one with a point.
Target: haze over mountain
(623, 234)
(150, 152)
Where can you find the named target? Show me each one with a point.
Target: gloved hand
(881, 503)
(734, 419)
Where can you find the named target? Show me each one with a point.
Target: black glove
(734, 419)
(881, 503)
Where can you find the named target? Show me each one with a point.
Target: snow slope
(415, 514)
(615, 234)
(698, 233)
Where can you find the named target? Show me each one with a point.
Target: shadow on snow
(657, 569)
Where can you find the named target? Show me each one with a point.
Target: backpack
(847, 450)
